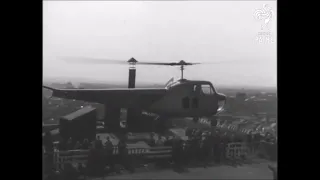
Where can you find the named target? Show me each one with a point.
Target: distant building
(69, 85)
(241, 96)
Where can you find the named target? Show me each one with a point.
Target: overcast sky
(207, 31)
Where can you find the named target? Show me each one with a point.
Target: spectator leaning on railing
(77, 145)
(85, 144)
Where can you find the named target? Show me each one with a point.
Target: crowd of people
(201, 147)
(101, 157)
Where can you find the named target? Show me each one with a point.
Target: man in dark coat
(98, 143)
(109, 154)
(223, 146)
(193, 149)
(125, 159)
(70, 144)
(177, 152)
(205, 148)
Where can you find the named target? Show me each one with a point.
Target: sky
(206, 31)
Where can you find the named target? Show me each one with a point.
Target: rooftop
(80, 112)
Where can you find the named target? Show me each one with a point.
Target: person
(109, 154)
(78, 145)
(249, 141)
(82, 170)
(232, 138)
(177, 152)
(85, 144)
(48, 142)
(197, 134)
(194, 149)
(123, 156)
(160, 141)
(205, 148)
(62, 146)
(256, 141)
(215, 146)
(98, 143)
(223, 146)
(69, 144)
(187, 154)
(92, 162)
(152, 141)
(109, 146)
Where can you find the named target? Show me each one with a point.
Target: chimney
(132, 73)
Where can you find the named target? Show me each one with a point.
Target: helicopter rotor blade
(87, 60)
(166, 64)
(92, 60)
(113, 61)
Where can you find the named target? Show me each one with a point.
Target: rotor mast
(181, 69)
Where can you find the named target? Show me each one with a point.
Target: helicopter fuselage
(183, 98)
(186, 98)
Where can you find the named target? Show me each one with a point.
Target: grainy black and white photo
(159, 89)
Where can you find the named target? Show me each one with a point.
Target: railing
(236, 150)
(81, 156)
(233, 151)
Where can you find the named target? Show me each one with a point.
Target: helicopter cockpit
(203, 89)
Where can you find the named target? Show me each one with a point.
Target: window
(206, 89)
(196, 89)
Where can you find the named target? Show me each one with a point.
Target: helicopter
(181, 98)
